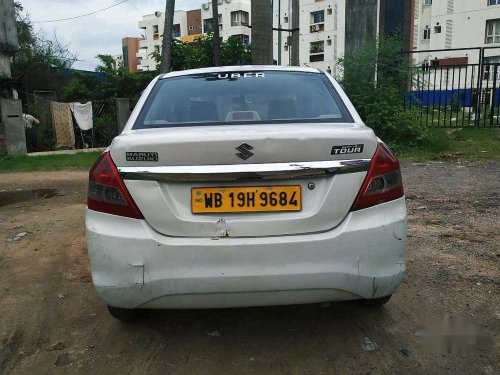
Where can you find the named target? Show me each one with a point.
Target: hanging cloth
(83, 115)
(62, 124)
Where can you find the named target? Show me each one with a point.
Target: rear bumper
(135, 267)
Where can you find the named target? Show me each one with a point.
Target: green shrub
(375, 79)
(105, 129)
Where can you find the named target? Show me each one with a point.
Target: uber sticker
(347, 149)
(141, 156)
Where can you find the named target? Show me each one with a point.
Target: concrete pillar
(122, 112)
(12, 136)
(262, 32)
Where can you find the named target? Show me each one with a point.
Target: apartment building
(186, 23)
(321, 38)
(130, 47)
(449, 24)
(233, 19)
(328, 28)
(331, 28)
(117, 61)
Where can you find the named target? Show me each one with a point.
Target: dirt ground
(53, 322)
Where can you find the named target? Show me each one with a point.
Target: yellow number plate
(246, 199)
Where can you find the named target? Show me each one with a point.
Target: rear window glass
(242, 98)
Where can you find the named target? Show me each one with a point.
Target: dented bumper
(134, 266)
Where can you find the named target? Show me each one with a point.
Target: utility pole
(168, 32)
(216, 36)
(279, 32)
(8, 36)
(262, 32)
(295, 33)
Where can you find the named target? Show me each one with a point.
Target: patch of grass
(453, 144)
(80, 161)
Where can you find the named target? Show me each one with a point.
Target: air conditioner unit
(315, 28)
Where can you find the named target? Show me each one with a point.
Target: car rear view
(245, 186)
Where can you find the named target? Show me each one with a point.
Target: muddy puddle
(20, 196)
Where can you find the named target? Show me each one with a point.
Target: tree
(108, 84)
(36, 51)
(200, 53)
(216, 36)
(375, 79)
(234, 52)
(168, 31)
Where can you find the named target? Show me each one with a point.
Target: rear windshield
(242, 98)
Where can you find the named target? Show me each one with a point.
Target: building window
(427, 33)
(239, 18)
(329, 11)
(437, 29)
(157, 49)
(427, 2)
(245, 39)
(489, 68)
(177, 31)
(316, 58)
(285, 19)
(493, 31)
(493, 2)
(155, 29)
(318, 17)
(317, 47)
(208, 24)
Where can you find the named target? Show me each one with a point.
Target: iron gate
(456, 95)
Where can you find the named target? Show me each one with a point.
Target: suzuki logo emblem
(244, 151)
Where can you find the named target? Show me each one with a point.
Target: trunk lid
(166, 204)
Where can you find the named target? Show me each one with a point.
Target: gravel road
(52, 322)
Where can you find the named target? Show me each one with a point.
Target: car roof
(240, 68)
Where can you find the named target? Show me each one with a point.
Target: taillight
(107, 192)
(382, 182)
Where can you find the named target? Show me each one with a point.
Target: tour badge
(347, 149)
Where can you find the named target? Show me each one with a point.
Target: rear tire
(376, 302)
(123, 315)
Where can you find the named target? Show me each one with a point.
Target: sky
(99, 33)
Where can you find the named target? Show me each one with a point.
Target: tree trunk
(168, 32)
(295, 33)
(262, 32)
(216, 39)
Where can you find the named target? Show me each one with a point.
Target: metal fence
(456, 95)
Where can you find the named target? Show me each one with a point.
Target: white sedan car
(245, 186)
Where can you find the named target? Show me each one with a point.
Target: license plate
(246, 199)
